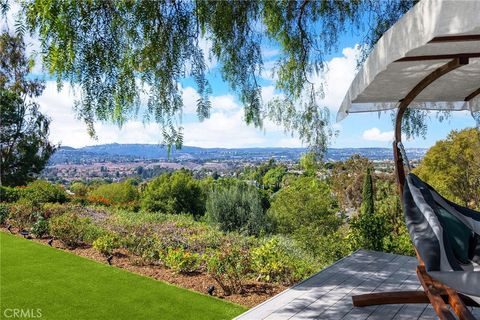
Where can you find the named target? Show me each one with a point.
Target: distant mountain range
(137, 152)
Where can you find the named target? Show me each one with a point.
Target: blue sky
(226, 127)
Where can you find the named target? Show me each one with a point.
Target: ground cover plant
(35, 276)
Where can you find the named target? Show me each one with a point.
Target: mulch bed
(254, 292)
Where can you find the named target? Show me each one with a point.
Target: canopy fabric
(428, 36)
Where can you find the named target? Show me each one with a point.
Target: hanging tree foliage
(115, 52)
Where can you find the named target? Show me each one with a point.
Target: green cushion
(458, 234)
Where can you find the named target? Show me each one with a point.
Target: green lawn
(66, 286)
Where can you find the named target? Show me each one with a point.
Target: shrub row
(179, 243)
(36, 192)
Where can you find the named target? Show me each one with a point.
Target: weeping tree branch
(112, 51)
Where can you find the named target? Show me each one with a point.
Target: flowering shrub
(229, 267)
(4, 211)
(40, 228)
(107, 243)
(42, 191)
(203, 237)
(93, 199)
(275, 261)
(50, 210)
(8, 194)
(181, 261)
(22, 215)
(145, 246)
(123, 194)
(73, 230)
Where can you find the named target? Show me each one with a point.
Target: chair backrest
(442, 235)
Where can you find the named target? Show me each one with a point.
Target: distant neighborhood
(119, 161)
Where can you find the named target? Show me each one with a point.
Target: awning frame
(405, 102)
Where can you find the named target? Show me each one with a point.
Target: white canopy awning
(430, 35)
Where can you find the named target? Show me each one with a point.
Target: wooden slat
(333, 287)
(440, 57)
(428, 313)
(308, 286)
(472, 95)
(390, 297)
(327, 295)
(368, 279)
(394, 282)
(459, 38)
(397, 276)
(410, 283)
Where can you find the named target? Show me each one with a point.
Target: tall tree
(304, 207)
(369, 227)
(367, 194)
(452, 167)
(347, 180)
(309, 163)
(117, 51)
(24, 131)
(174, 193)
(237, 207)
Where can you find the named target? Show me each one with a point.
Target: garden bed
(254, 292)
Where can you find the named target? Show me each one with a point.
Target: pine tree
(369, 227)
(367, 194)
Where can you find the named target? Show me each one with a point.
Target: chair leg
(439, 293)
(393, 297)
(435, 293)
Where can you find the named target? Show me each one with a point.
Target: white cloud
(337, 126)
(190, 97)
(223, 130)
(219, 103)
(269, 52)
(69, 131)
(225, 102)
(340, 73)
(268, 93)
(64, 128)
(374, 134)
(289, 143)
(267, 70)
(206, 45)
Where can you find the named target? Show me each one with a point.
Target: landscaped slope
(65, 286)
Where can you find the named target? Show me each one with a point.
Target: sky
(226, 127)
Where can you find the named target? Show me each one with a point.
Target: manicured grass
(66, 286)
